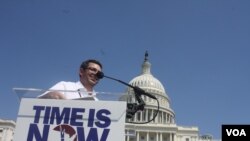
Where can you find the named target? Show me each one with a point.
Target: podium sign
(70, 120)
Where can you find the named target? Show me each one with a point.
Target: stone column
(171, 137)
(137, 136)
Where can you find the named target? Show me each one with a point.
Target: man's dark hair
(85, 64)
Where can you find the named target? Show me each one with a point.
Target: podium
(69, 120)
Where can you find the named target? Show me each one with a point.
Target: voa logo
(236, 132)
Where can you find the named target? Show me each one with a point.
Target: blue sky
(199, 50)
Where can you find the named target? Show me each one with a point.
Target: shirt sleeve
(57, 87)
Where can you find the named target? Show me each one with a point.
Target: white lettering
(229, 132)
(242, 132)
(236, 132)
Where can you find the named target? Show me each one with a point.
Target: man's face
(89, 74)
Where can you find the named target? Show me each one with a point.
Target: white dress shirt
(72, 90)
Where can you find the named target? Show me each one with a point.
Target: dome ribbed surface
(147, 81)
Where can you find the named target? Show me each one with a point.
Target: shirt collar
(81, 87)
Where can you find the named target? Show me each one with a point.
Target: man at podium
(81, 89)
(72, 119)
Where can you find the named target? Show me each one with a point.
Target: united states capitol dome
(152, 86)
(147, 81)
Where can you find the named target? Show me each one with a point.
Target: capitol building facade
(7, 128)
(155, 119)
(162, 126)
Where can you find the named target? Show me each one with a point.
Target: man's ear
(81, 71)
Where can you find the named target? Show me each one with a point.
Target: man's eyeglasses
(93, 69)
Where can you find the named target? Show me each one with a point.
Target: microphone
(99, 74)
(138, 90)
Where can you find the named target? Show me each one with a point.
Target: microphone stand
(132, 108)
